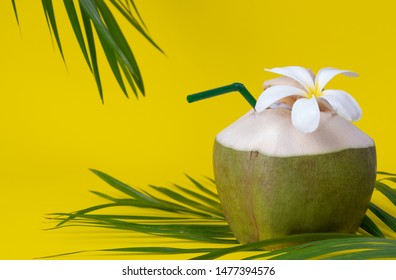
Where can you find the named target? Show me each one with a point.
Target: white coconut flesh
(272, 133)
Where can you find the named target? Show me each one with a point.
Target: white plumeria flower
(305, 113)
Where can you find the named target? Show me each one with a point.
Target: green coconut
(274, 180)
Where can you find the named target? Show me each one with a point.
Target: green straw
(222, 90)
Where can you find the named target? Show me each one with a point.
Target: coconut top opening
(272, 133)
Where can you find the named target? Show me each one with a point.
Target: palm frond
(193, 213)
(335, 248)
(15, 10)
(51, 22)
(141, 250)
(370, 227)
(386, 190)
(75, 23)
(97, 14)
(92, 50)
(388, 219)
(385, 173)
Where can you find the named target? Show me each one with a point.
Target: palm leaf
(126, 55)
(183, 213)
(117, 50)
(141, 250)
(73, 18)
(202, 187)
(113, 63)
(208, 201)
(385, 173)
(334, 248)
(15, 11)
(386, 190)
(186, 201)
(92, 50)
(388, 219)
(51, 22)
(370, 227)
(272, 242)
(133, 21)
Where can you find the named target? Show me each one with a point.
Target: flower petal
(326, 74)
(305, 114)
(343, 104)
(282, 81)
(275, 93)
(300, 74)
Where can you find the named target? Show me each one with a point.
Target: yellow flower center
(314, 92)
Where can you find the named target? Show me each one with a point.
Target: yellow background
(53, 126)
